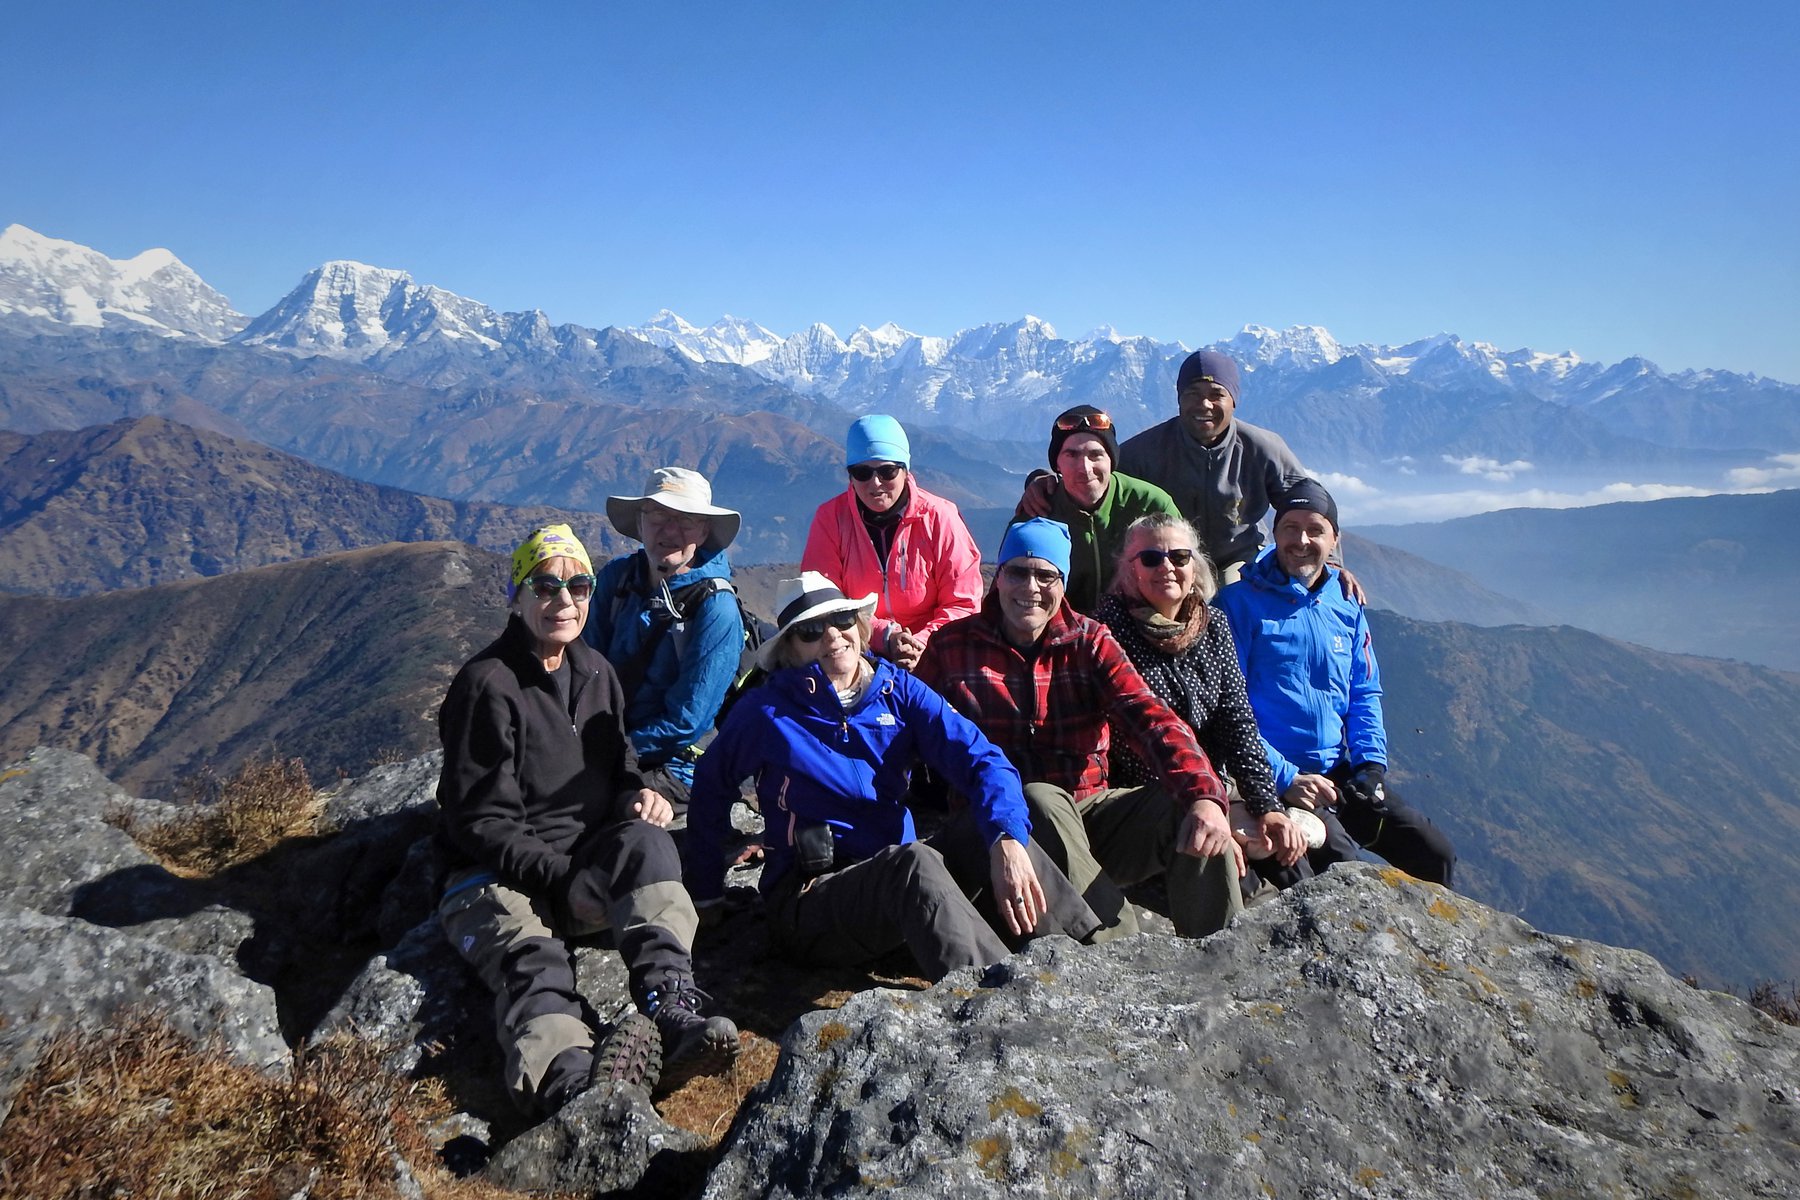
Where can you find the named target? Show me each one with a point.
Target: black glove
(1366, 786)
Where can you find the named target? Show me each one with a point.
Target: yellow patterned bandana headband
(549, 542)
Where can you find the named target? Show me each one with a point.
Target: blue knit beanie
(877, 438)
(1209, 365)
(1039, 537)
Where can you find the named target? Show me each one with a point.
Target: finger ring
(1018, 899)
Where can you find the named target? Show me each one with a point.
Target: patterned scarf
(1172, 637)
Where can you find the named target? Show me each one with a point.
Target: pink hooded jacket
(934, 570)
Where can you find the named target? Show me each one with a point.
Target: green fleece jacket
(1099, 536)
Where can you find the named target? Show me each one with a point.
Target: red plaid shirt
(1049, 713)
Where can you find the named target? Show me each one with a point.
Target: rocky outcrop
(608, 1142)
(58, 968)
(53, 806)
(1362, 1035)
(66, 880)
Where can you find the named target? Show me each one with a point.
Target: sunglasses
(1154, 558)
(1072, 421)
(1042, 577)
(811, 631)
(886, 472)
(546, 587)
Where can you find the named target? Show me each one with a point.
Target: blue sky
(1614, 179)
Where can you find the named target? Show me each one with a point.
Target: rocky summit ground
(1362, 1035)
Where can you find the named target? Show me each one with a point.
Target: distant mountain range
(1429, 405)
(1701, 575)
(1607, 790)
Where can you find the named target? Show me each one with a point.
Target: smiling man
(1309, 665)
(1093, 498)
(666, 619)
(1046, 684)
(1220, 471)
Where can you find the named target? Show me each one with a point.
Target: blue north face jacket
(815, 762)
(1309, 665)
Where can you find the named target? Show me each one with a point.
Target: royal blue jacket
(1309, 665)
(687, 676)
(814, 762)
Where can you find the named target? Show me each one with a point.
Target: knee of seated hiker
(630, 854)
(922, 871)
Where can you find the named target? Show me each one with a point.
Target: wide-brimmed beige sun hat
(680, 490)
(811, 595)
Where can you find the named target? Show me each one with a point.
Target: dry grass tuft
(139, 1110)
(227, 821)
(1779, 1000)
(707, 1104)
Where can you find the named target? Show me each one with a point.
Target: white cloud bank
(1488, 468)
(1783, 470)
(1364, 503)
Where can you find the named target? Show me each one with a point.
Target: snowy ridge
(1008, 378)
(991, 371)
(71, 284)
(353, 310)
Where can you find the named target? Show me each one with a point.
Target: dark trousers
(1402, 835)
(932, 896)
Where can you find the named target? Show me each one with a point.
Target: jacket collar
(1265, 574)
(520, 654)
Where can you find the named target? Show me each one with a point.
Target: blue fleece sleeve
(700, 666)
(1365, 731)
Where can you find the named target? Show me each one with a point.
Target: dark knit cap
(1078, 419)
(1307, 495)
(1209, 365)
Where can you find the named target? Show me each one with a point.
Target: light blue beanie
(877, 438)
(1039, 537)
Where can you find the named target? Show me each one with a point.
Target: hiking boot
(631, 1054)
(692, 1044)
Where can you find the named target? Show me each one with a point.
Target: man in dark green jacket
(1093, 498)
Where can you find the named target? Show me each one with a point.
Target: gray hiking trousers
(1122, 836)
(629, 880)
(933, 896)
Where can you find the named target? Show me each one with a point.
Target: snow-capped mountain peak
(72, 284)
(1300, 346)
(726, 340)
(352, 309)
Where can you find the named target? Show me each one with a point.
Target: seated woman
(1158, 610)
(830, 737)
(889, 536)
(546, 830)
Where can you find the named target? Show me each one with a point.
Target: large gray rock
(52, 805)
(606, 1141)
(386, 790)
(1363, 1035)
(59, 968)
(63, 859)
(416, 996)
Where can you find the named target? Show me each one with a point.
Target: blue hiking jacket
(814, 762)
(1309, 665)
(686, 678)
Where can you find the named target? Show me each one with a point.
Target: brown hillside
(340, 660)
(149, 501)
